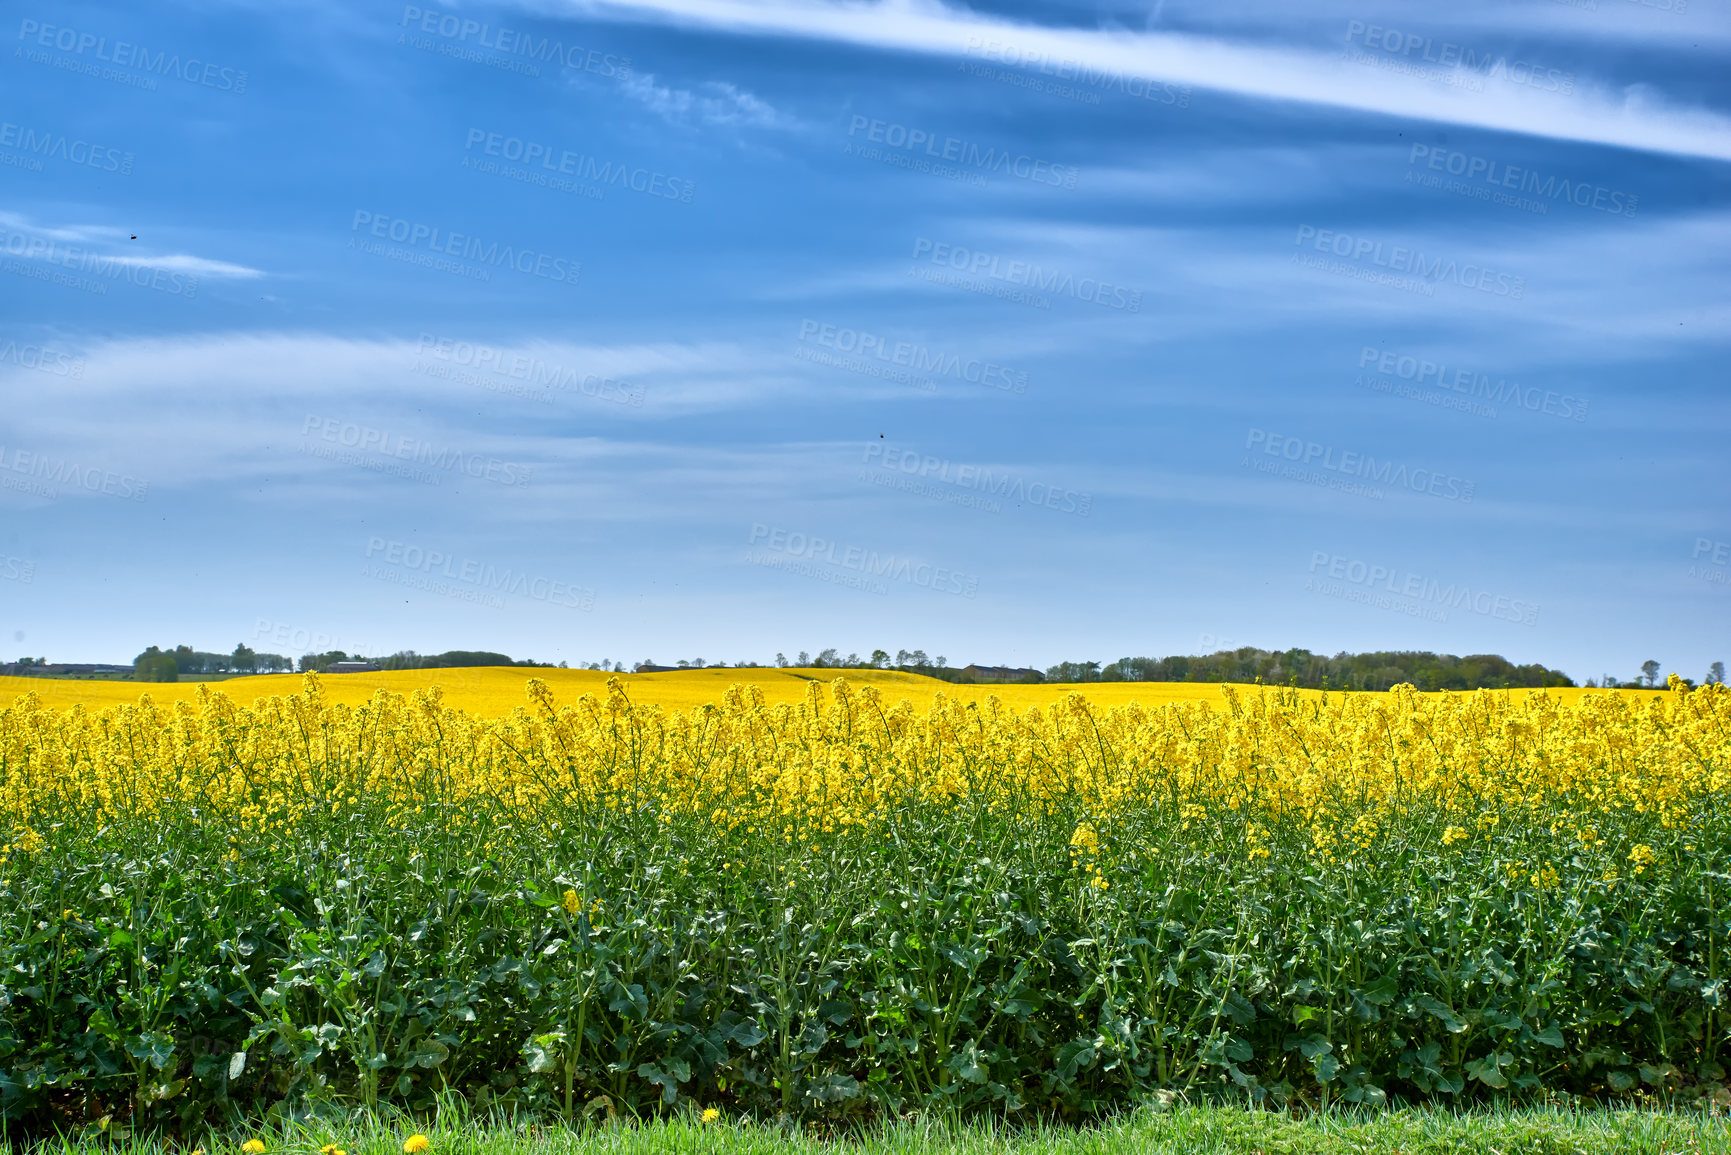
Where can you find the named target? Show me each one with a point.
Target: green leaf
(155, 1048)
(833, 1088)
(1491, 1070)
(1442, 1012)
(1381, 992)
(1075, 1055)
(428, 1052)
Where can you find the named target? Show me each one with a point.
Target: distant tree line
(1649, 678)
(410, 660)
(1344, 671)
(159, 665)
(914, 661)
(1299, 667)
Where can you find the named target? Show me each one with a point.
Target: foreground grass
(1182, 1131)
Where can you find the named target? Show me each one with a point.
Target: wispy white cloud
(715, 104)
(116, 245)
(1634, 116)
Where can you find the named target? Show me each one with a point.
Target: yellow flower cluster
(1320, 763)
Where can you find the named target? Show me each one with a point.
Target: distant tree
(827, 658)
(919, 660)
(245, 660)
(1650, 670)
(683, 664)
(804, 660)
(852, 662)
(155, 666)
(903, 657)
(940, 661)
(880, 659)
(781, 660)
(1716, 672)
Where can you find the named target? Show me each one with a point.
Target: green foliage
(183, 969)
(1375, 671)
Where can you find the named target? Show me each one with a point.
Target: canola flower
(1336, 764)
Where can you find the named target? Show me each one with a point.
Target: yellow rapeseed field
(493, 691)
(843, 752)
(796, 896)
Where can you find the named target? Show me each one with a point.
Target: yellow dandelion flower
(253, 1147)
(710, 1114)
(415, 1144)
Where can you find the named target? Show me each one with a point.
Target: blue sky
(1016, 333)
